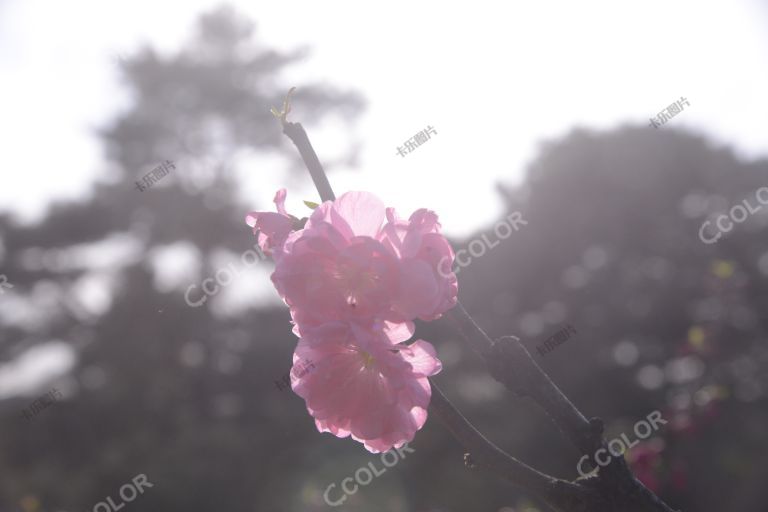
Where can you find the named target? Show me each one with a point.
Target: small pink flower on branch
(364, 386)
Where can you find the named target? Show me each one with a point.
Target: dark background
(187, 396)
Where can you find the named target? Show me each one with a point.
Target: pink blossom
(426, 290)
(272, 228)
(325, 279)
(355, 276)
(347, 264)
(395, 332)
(363, 385)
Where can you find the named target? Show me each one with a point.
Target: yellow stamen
(368, 361)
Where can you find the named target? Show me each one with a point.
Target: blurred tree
(665, 321)
(186, 395)
(159, 387)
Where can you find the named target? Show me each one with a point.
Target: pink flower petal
(362, 211)
(361, 387)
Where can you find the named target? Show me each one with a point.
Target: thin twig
(558, 494)
(614, 489)
(512, 365)
(296, 133)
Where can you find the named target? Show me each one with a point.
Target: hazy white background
(494, 80)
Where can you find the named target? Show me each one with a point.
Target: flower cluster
(355, 276)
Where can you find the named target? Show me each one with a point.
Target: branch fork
(613, 489)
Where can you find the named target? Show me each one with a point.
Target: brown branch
(614, 489)
(511, 364)
(558, 494)
(298, 136)
(296, 132)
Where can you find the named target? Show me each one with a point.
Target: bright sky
(493, 78)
